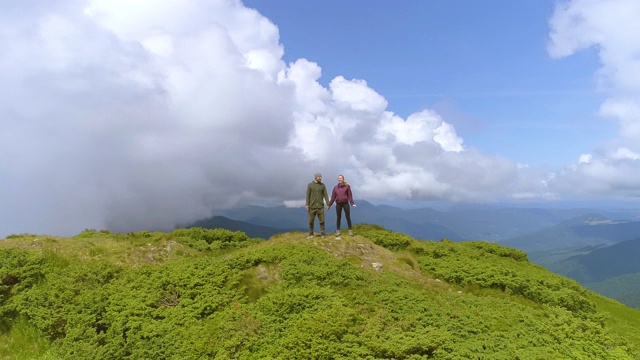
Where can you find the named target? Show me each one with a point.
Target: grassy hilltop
(195, 293)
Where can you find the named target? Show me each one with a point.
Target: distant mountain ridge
(585, 230)
(603, 263)
(288, 218)
(624, 288)
(491, 223)
(613, 270)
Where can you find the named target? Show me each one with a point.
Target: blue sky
(482, 65)
(127, 116)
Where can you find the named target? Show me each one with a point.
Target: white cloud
(585, 159)
(133, 115)
(624, 153)
(627, 111)
(425, 125)
(357, 96)
(610, 27)
(445, 135)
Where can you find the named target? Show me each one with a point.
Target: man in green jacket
(317, 196)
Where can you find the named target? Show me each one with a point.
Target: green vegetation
(196, 293)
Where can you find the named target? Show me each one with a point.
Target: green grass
(23, 342)
(218, 294)
(620, 319)
(129, 250)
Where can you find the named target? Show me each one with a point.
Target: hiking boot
(322, 234)
(351, 232)
(310, 236)
(337, 232)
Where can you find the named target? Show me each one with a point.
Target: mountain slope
(611, 261)
(196, 293)
(624, 288)
(592, 263)
(613, 271)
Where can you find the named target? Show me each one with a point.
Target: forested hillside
(613, 271)
(196, 293)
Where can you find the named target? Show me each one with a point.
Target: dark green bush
(92, 233)
(70, 297)
(18, 236)
(499, 250)
(19, 271)
(213, 239)
(491, 266)
(388, 239)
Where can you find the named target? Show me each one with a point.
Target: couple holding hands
(317, 196)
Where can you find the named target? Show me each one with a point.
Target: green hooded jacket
(316, 193)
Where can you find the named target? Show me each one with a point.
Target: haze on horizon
(134, 115)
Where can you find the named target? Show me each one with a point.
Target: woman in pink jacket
(342, 196)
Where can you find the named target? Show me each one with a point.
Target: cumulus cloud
(139, 115)
(130, 116)
(610, 27)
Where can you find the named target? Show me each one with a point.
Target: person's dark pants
(312, 217)
(347, 214)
